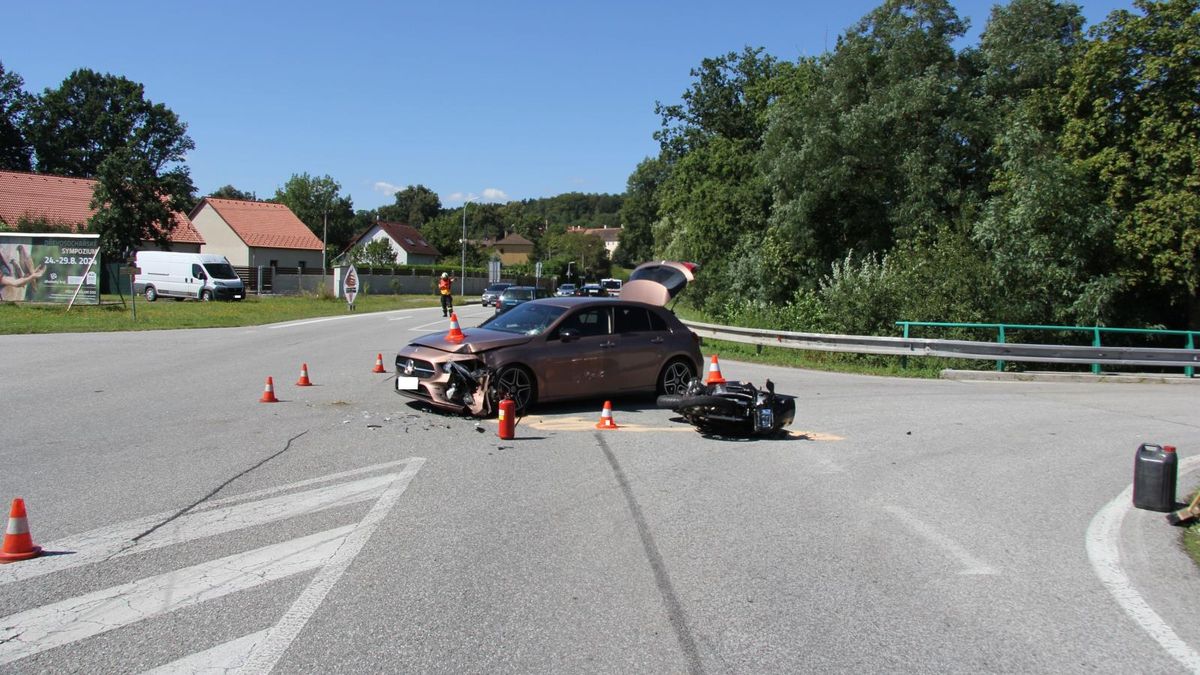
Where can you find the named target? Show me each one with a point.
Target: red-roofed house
(408, 243)
(256, 234)
(66, 202)
(513, 249)
(611, 236)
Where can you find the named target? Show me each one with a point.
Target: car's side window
(657, 323)
(586, 323)
(630, 320)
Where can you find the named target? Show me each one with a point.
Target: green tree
(230, 192)
(1134, 125)
(14, 106)
(316, 201)
(376, 253)
(873, 143)
(640, 211)
(90, 116)
(415, 205)
(139, 190)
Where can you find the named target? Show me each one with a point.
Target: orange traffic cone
(378, 364)
(714, 372)
(269, 392)
(606, 418)
(18, 543)
(455, 334)
(304, 381)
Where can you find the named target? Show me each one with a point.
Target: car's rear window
(530, 318)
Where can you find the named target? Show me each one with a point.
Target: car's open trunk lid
(655, 283)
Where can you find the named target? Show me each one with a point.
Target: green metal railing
(1096, 332)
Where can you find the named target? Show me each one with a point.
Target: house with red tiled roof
(611, 236)
(513, 249)
(256, 234)
(407, 241)
(66, 202)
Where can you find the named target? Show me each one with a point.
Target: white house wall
(219, 238)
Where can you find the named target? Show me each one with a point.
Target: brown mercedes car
(561, 348)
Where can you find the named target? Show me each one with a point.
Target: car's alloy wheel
(205, 295)
(675, 377)
(519, 384)
(151, 294)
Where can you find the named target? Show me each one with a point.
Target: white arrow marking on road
(118, 541)
(64, 622)
(972, 564)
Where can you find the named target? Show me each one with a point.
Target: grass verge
(111, 315)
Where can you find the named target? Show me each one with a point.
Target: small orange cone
(378, 364)
(606, 418)
(714, 372)
(455, 334)
(304, 381)
(269, 392)
(18, 543)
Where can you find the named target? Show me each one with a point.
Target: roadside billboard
(49, 267)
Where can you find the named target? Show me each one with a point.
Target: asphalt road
(907, 525)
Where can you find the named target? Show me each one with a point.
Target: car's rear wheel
(675, 377)
(518, 383)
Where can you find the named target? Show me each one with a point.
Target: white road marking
(67, 621)
(400, 318)
(972, 564)
(1104, 554)
(426, 328)
(220, 660)
(117, 541)
(293, 324)
(268, 652)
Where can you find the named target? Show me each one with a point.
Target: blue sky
(494, 100)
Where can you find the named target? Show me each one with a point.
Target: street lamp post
(462, 278)
(324, 239)
(569, 271)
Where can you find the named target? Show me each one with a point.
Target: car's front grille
(410, 367)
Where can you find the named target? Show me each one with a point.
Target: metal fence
(1186, 358)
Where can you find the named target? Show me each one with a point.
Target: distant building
(66, 202)
(611, 236)
(256, 234)
(408, 243)
(513, 249)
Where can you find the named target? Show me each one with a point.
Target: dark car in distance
(593, 291)
(561, 348)
(492, 293)
(515, 295)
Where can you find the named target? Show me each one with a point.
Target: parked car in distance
(515, 295)
(492, 293)
(560, 348)
(199, 276)
(593, 291)
(565, 291)
(613, 286)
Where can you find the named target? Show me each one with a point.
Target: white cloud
(494, 195)
(385, 188)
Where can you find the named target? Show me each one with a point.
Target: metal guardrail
(957, 349)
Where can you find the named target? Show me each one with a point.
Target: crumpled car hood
(477, 340)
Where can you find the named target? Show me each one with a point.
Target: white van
(202, 276)
(611, 286)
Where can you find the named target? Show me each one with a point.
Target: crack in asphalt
(675, 613)
(212, 493)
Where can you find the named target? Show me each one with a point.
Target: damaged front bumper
(461, 385)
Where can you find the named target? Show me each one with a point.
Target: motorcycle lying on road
(733, 408)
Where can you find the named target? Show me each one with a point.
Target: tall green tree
(230, 192)
(14, 106)
(1134, 125)
(640, 211)
(139, 190)
(877, 148)
(415, 205)
(316, 202)
(91, 115)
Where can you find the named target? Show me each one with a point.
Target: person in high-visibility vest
(444, 290)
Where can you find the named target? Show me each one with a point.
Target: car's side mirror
(568, 335)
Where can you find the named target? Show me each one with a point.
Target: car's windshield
(220, 271)
(529, 318)
(611, 283)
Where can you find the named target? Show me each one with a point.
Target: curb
(1133, 378)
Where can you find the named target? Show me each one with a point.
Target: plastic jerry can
(1154, 471)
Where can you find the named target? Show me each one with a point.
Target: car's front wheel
(151, 294)
(205, 295)
(675, 377)
(518, 383)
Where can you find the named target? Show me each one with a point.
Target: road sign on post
(350, 287)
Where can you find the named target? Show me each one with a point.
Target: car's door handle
(606, 345)
(656, 341)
